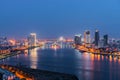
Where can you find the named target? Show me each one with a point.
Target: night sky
(54, 18)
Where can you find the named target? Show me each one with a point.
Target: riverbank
(99, 51)
(4, 56)
(36, 74)
(14, 53)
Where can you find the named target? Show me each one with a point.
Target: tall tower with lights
(32, 39)
(87, 39)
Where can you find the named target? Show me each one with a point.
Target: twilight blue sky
(53, 18)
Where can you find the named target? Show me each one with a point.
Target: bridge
(57, 45)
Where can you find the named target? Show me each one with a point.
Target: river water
(85, 66)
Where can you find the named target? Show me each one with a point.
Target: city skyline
(91, 35)
(51, 19)
(59, 39)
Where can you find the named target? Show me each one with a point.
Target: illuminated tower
(32, 39)
(97, 38)
(87, 37)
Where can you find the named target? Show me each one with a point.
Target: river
(85, 66)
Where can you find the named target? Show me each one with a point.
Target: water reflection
(55, 53)
(33, 58)
(86, 66)
(26, 53)
(98, 66)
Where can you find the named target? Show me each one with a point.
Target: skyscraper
(105, 37)
(32, 40)
(77, 39)
(97, 38)
(87, 37)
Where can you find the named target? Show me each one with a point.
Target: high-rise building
(105, 37)
(84, 37)
(78, 39)
(101, 43)
(87, 37)
(97, 38)
(32, 39)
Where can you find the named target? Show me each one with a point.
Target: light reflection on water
(86, 66)
(33, 58)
